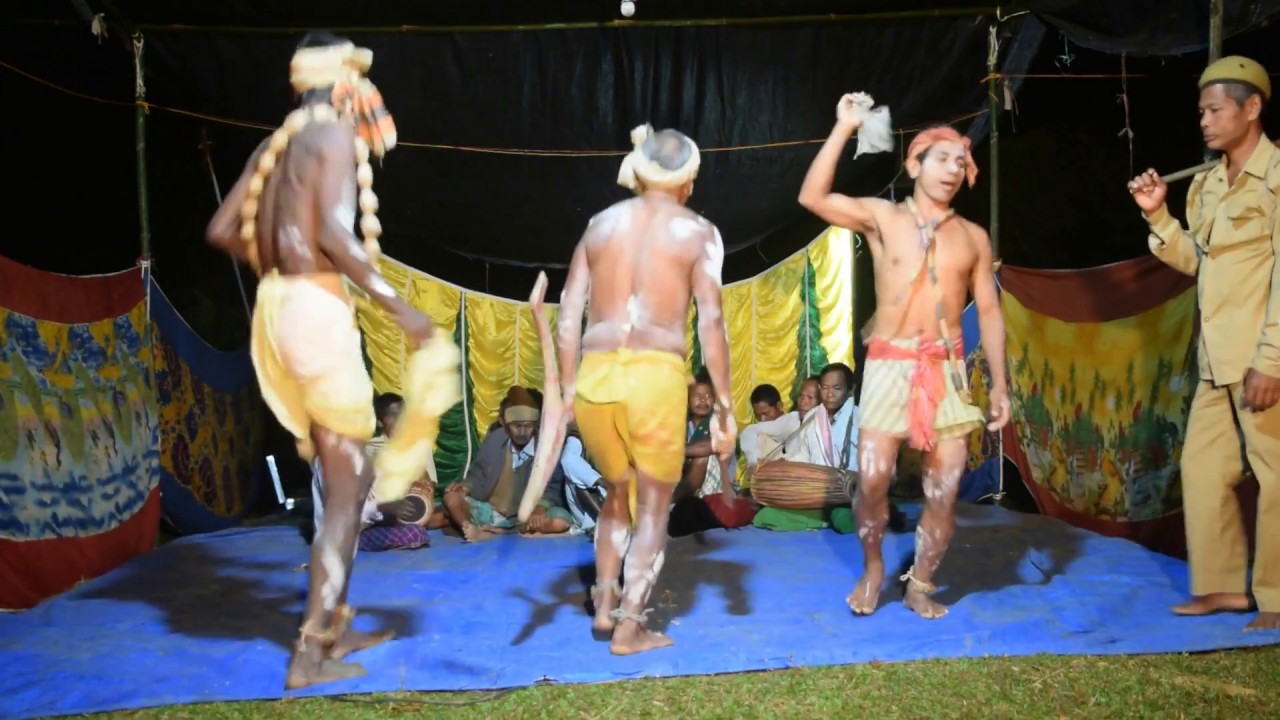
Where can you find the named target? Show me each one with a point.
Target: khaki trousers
(1212, 466)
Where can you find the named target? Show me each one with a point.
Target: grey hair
(670, 149)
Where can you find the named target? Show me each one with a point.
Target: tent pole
(140, 134)
(993, 98)
(1215, 29)
(1215, 46)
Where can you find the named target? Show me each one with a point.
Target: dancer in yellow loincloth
(913, 383)
(641, 261)
(307, 179)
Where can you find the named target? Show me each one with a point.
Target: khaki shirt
(1231, 248)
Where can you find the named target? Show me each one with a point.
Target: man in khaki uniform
(1231, 247)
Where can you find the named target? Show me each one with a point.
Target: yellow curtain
(439, 300)
(492, 346)
(502, 349)
(384, 341)
(832, 258)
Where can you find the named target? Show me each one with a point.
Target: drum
(801, 486)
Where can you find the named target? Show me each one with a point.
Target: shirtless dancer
(640, 261)
(913, 386)
(305, 345)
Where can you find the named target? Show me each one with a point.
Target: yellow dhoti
(631, 408)
(306, 351)
(305, 347)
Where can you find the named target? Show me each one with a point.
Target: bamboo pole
(993, 99)
(140, 136)
(1215, 46)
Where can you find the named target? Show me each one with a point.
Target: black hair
(702, 377)
(840, 367)
(766, 394)
(321, 38)
(670, 149)
(383, 402)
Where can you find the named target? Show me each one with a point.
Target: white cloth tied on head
(640, 172)
(875, 134)
(321, 67)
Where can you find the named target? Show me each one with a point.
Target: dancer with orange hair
(914, 385)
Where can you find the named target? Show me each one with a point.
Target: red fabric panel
(1096, 295)
(33, 571)
(68, 299)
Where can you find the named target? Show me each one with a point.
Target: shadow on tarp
(211, 618)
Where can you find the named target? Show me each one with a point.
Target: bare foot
(866, 594)
(473, 533)
(308, 668)
(638, 641)
(923, 605)
(354, 641)
(605, 601)
(1213, 603)
(1265, 621)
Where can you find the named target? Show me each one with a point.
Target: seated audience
(488, 499)
(400, 524)
(584, 487)
(775, 436)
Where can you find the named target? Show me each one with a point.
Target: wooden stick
(1182, 174)
(551, 427)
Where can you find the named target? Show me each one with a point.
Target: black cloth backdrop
(585, 90)
(485, 220)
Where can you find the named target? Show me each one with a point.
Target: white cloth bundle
(875, 134)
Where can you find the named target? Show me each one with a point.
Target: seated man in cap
(1231, 208)
(488, 499)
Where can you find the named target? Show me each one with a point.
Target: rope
(528, 152)
(217, 194)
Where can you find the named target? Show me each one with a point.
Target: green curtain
(456, 436)
(813, 356)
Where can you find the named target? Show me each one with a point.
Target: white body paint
(357, 250)
(380, 286)
(290, 238)
(345, 213)
(683, 228)
(332, 563)
(611, 221)
(713, 264)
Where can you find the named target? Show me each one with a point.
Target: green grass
(1236, 684)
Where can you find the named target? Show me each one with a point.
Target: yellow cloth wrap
(833, 264)
(631, 407)
(432, 384)
(638, 172)
(521, 413)
(306, 351)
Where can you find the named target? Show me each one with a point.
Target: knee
(875, 485)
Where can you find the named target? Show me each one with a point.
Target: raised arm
(713, 335)
(223, 231)
(336, 176)
(856, 214)
(573, 302)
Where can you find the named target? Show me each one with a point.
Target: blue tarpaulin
(212, 617)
